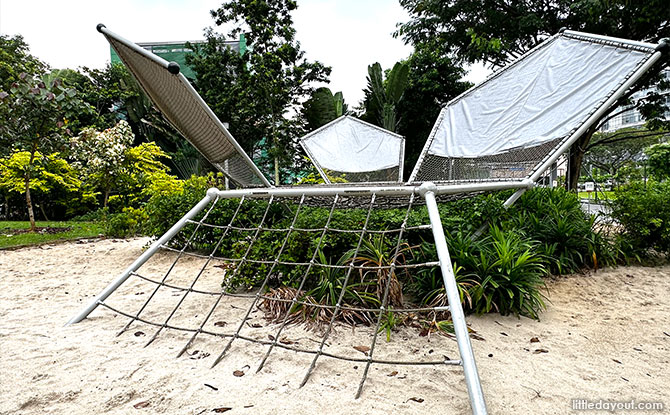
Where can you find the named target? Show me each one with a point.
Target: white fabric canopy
(541, 98)
(353, 146)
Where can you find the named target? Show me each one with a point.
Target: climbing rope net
(230, 234)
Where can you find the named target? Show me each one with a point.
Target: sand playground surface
(605, 335)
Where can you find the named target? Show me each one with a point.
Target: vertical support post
(427, 191)
(554, 174)
(211, 194)
(225, 178)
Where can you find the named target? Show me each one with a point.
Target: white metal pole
(211, 194)
(427, 190)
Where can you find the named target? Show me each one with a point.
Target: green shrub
(127, 223)
(500, 272)
(510, 275)
(643, 212)
(565, 234)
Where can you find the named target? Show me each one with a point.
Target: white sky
(347, 35)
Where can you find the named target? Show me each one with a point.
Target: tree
(50, 176)
(659, 160)
(612, 151)
(382, 96)
(15, 59)
(258, 92)
(323, 107)
(33, 117)
(496, 32)
(434, 79)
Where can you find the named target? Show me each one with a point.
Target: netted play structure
(501, 135)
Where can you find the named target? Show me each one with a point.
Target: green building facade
(177, 51)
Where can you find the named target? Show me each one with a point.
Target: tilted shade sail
(181, 105)
(350, 145)
(542, 97)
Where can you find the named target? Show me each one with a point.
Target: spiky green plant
(510, 275)
(376, 256)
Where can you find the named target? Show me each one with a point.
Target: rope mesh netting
(392, 174)
(512, 165)
(234, 244)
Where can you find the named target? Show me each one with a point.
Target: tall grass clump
(566, 236)
(502, 272)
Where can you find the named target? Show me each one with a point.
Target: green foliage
(264, 84)
(331, 280)
(643, 211)
(500, 272)
(659, 160)
(389, 323)
(496, 32)
(623, 148)
(33, 117)
(129, 222)
(566, 235)
(35, 113)
(110, 164)
(434, 79)
(53, 181)
(15, 59)
(428, 285)
(510, 275)
(323, 107)
(382, 96)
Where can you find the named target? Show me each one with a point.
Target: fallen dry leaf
(534, 340)
(220, 324)
(617, 361)
(419, 400)
(395, 372)
(141, 405)
(221, 410)
(362, 349)
(139, 333)
(238, 373)
(284, 340)
(538, 351)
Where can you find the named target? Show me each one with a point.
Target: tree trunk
(575, 156)
(276, 171)
(43, 212)
(106, 198)
(29, 202)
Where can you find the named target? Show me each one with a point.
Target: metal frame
(165, 64)
(324, 176)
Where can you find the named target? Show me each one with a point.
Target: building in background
(632, 117)
(177, 51)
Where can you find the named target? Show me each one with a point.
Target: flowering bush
(108, 161)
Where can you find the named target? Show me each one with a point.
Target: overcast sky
(347, 35)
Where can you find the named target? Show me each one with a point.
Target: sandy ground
(604, 336)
